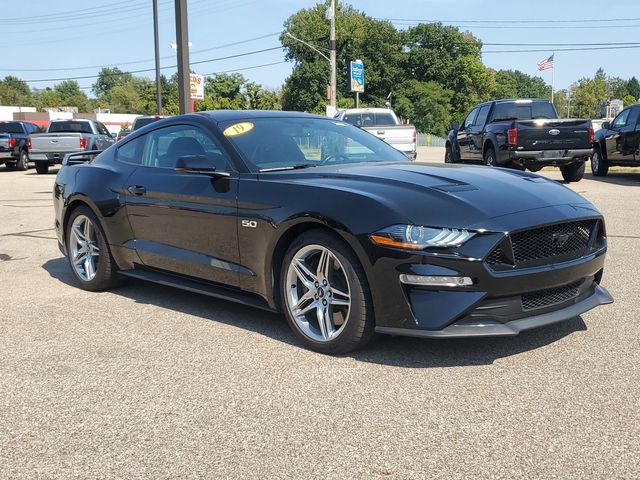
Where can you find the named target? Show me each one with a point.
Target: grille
(551, 296)
(562, 241)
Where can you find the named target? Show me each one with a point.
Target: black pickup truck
(15, 143)
(522, 134)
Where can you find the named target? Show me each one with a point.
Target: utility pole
(332, 55)
(182, 43)
(157, 54)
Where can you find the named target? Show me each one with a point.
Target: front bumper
(492, 327)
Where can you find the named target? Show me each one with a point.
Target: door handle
(137, 190)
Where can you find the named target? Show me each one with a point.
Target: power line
(163, 68)
(519, 27)
(133, 62)
(561, 49)
(592, 20)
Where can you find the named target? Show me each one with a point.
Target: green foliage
(515, 84)
(14, 91)
(426, 104)
(72, 96)
(633, 87)
(629, 100)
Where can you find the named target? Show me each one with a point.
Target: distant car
(140, 122)
(122, 134)
(384, 124)
(316, 218)
(521, 134)
(618, 142)
(15, 143)
(67, 136)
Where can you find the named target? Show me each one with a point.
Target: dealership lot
(147, 381)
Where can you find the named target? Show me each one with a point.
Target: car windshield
(523, 111)
(10, 128)
(70, 127)
(275, 143)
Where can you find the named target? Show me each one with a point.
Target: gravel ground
(151, 382)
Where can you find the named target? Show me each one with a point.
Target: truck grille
(551, 296)
(539, 246)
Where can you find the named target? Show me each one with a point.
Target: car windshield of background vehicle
(275, 143)
(10, 128)
(523, 111)
(70, 127)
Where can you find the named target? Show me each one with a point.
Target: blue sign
(357, 76)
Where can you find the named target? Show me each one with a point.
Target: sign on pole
(356, 73)
(196, 86)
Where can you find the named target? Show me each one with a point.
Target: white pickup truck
(67, 136)
(384, 124)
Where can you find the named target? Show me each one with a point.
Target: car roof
(232, 115)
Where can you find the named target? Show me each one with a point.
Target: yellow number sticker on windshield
(238, 129)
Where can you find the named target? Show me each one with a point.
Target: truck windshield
(10, 128)
(523, 111)
(70, 127)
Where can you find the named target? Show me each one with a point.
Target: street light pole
(332, 54)
(157, 55)
(182, 43)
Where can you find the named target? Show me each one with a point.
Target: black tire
(599, 165)
(448, 154)
(10, 166)
(358, 327)
(42, 168)
(573, 172)
(106, 272)
(489, 157)
(23, 161)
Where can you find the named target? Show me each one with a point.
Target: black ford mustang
(321, 220)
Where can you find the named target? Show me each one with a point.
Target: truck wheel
(23, 161)
(599, 165)
(448, 154)
(490, 157)
(573, 172)
(42, 167)
(10, 166)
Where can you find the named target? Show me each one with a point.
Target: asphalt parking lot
(151, 382)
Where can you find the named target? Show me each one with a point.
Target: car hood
(445, 195)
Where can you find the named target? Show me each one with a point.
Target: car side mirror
(455, 125)
(606, 125)
(199, 164)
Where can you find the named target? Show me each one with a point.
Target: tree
(14, 91)
(109, 78)
(47, 98)
(516, 84)
(71, 95)
(305, 89)
(426, 104)
(633, 87)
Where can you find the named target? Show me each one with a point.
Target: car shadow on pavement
(393, 351)
(617, 178)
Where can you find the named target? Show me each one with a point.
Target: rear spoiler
(80, 157)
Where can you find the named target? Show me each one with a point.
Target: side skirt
(202, 288)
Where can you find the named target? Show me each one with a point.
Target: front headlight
(415, 237)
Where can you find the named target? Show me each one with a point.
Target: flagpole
(553, 75)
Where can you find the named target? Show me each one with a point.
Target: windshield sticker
(238, 129)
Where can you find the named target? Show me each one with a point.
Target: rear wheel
(88, 253)
(573, 172)
(599, 165)
(10, 166)
(325, 295)
(42, 167)
(490, 157)
(23, 161)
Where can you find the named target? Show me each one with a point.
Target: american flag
(546, 63)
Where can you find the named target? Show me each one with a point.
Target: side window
(632, 119)
(131, 152)
(621, 119)
(470, 118)
(165, 146)
(483, 113)
(102, 130)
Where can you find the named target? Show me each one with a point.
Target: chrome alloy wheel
(83, 248)
(318, 296)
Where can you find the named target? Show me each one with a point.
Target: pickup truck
(618, 142)
(384, 124)
(15, 144)
(67, 136)
(523, 134)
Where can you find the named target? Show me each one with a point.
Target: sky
(64, 38)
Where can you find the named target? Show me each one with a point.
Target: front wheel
(448, 154)
(573, 172)
(599, 165)
(42, 168)
(324, 294)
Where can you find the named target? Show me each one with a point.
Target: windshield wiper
(288, 167)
